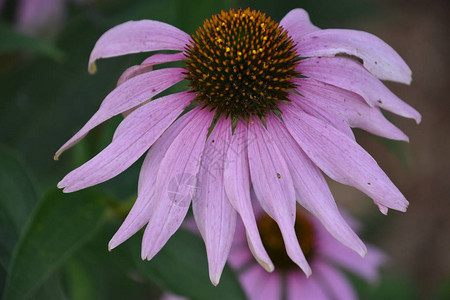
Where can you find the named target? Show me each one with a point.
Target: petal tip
(215, 279)
(112, 244)
(308, 272)
(418, 118)
(60, 185)
(363, 252)
(92, 68)
(143, 255)
(269, 267)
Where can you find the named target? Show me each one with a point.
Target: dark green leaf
(17, 199)
(390, 286)
(60, 224)
(17, 194)
(181, 267)
(52, 289)
(11, 41)
(81, 282)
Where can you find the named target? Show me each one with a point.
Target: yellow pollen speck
(241, 63)
(251, 122)
(278, 175)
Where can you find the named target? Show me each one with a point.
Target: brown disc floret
(241, 63)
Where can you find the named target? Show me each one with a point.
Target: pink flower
(264, 117)
(324, 253)
(42, 17)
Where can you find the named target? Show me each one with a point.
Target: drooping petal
(135, 37)
(132, 138)
(161, 58)
(311, 188)
(213, 213)
(299, 287)
(130, 94)
(297, 23)
(366, 267)
(334, 282)
(147, 65)
(176, 183)
(274, 188)
(351, 75)
(239, 255)
(350, 106)
(342, 159)
(378, 57)
(260, 285)
(142, 209)
(237, 187)
(325, 115)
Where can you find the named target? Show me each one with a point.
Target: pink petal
(161, 58)
(300, 287)
(147, 65)
(260, 285)
(176, 183)
(342, 159)
(272, 288)
(334, 282)
(351, 75)
(132, 138)
(237, 187)
(213, 213)
(323, 114)
(378, 57)
(350, 106)
(135, 37)
(40, 16)
(142, 209)
(274, 188)
(311, 188)
(167, 296)
(240, 255)
(130, 94)
(297, 23)
(366, 267)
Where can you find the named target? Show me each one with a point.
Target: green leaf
(17, 193)
(81, 281)
(60, 224)
(181, 267)
(52, 289)
(17, 199)
(11, 41)
(390, 286)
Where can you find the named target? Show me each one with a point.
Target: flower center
(274, 244)
(241, 63)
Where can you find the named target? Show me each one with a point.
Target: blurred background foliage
(54, 245)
